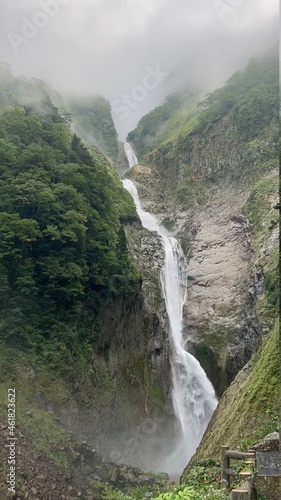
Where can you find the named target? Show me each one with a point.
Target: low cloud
(106, 46)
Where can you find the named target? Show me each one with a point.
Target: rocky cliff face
(122, 404)
(208, 179)
(139, 357)
(220, 320)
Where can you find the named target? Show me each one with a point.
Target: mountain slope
(164, 122)
(215, 184)
(207, 184)
(92, 121)
(60, 206)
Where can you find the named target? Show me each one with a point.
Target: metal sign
(268, 463)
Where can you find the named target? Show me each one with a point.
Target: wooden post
(245, 490)
(236, 455)
(241, 494)
(231, 472)
(224, 467)
(246, 474)
(251, 454)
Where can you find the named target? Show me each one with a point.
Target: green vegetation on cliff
(63, 252)
(249, 98)
(74, 331)
(249, 409)
(93, 122)
(233, 135)
(164, 122)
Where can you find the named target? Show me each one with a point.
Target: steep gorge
(214, 185)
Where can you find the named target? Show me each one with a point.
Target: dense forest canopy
(93, 122)
(63, 253)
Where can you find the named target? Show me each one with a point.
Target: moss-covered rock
(249, 409)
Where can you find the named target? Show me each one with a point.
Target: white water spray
(193, 395)
(131, 157)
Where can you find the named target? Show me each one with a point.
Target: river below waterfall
(193, 395)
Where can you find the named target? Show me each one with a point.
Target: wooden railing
(247, 476)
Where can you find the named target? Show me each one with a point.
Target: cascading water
(131, 157)
(193, 395)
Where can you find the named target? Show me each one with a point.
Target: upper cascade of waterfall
(193, 395)
(148, 220)
(131, 156)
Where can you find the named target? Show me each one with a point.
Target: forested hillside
(63, 247)
(93, 122)
(90, 117)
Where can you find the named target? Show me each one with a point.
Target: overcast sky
(136, 49)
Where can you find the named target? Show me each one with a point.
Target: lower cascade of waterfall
(193, 395)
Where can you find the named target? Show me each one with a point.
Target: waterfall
(131, 157)
(193, 395)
